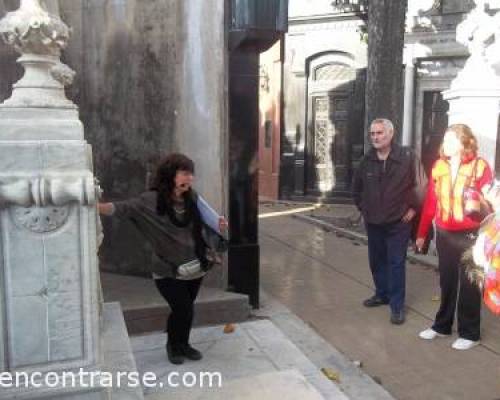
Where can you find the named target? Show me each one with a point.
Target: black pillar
(254, 25)
(243, 274)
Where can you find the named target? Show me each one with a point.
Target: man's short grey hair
(388, 125)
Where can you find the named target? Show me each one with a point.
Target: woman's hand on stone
(105, 208)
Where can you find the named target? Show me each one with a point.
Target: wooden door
(269, 122)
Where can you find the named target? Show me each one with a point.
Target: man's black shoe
(375, 301)
(190, 352)
(175, 354)
(398, 318)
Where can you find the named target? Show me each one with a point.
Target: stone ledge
(145, 310)
(118, 356)
(209, 310)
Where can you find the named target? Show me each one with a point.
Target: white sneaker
(464, 344)
(430, 334)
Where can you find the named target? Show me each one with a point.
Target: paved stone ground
(323, 278)
(274, 347)
(255, 362)
(351, 379)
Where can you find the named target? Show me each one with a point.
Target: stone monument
(474, 95)
(49, 287)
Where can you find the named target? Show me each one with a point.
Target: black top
(170, 236)
(384, 190)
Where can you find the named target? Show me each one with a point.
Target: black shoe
(375, 301)
(190, 352)
(175, 354)
(398, 318)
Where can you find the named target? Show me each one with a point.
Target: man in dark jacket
(388, 188)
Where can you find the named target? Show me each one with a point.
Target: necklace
(179, 210)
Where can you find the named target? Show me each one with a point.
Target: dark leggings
(455, 284)
(180, 296)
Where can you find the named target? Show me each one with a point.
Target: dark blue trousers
(387, 247)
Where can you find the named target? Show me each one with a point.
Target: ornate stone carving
(480, 33)
(419, 13)
(439, 68)
(63, 74)
(31, 29)
(49, 266)
(475, 93)
(40, 219)
(350, 6)
(46, 191)
(39, 37)
(476, 30)
(492, 50)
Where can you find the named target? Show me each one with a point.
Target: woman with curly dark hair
(173, 218)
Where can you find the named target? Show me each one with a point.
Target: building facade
(323, 83)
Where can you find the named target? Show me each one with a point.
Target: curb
(427, 260)
(355, 382)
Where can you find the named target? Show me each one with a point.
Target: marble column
(49, 291)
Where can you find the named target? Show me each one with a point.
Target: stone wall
(202, 95)
(134, 79)
(201, 102)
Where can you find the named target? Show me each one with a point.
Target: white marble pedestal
(49, 286)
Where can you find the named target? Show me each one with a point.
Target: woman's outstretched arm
(106, 208)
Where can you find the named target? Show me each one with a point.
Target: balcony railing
(350, 6)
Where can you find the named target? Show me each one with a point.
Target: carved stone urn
(39, 37)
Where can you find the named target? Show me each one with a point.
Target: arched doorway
(330, 88)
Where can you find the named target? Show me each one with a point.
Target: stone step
(254, 349)
(290, 385)
(118, 356)
(145, 310)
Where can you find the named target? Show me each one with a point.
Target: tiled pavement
(323, 278)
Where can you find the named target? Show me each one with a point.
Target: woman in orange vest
(454, 200)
